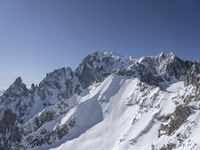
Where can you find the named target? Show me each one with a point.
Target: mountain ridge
(116, 56)
(60, 95)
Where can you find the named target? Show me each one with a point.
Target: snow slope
(136, 125)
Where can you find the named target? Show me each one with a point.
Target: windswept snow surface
(123, 115)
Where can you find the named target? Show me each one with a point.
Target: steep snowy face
(135, 115)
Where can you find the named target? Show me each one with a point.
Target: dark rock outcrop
(60, 83)
(193, 75)
(96, 67)
(176, 119)
(10, 131)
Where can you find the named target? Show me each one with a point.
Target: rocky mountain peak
(162, 55)
(164, 67)
(97, 66)
(171, 55)
(18, 80)
(17, 98)
(17, 87)
(167, 57)
(18, 83)
(106, 54)
(62, 103)
(59, 73)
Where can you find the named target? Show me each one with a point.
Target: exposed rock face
(48, 114)
(176, 67)
(16, 98)
(36, 131)
(166, 67)
(176, 119)
(44, 136)
(155, 70)
(193, 78)
(59, 84)
(169, 146)
(152, 70)
(25, 103)
(193, 75)
(10, 131)
(96, 67)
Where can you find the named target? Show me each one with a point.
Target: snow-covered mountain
(108, 102)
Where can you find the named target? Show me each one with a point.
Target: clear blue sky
(37, 36)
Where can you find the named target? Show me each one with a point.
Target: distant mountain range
(109, 102)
